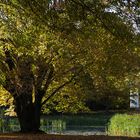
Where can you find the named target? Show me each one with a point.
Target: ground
(59, 137)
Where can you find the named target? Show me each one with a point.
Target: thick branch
(49, 78)
(44, 76)
(8, 40)
(4, 66)
(63, 85)
(56, 90)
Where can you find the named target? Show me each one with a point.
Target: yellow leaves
(5, 97)
(136, 51)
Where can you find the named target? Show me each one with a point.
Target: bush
(124, 125)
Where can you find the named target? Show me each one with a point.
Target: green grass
(124, 125)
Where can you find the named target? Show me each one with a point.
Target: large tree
(28, 73)
(47, 44)
(35, 64)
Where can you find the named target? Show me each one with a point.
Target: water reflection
(56, 125)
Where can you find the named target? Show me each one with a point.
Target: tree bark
(28, 113)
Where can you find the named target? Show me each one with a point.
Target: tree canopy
(55, 53)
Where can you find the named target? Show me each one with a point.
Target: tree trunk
(24, 88)
(28, 113)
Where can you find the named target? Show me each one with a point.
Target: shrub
(124, 125)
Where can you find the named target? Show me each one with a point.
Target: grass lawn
(59, 137)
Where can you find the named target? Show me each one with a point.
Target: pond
(64, 124)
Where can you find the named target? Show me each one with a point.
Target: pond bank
(86, 124)
(60, 137)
